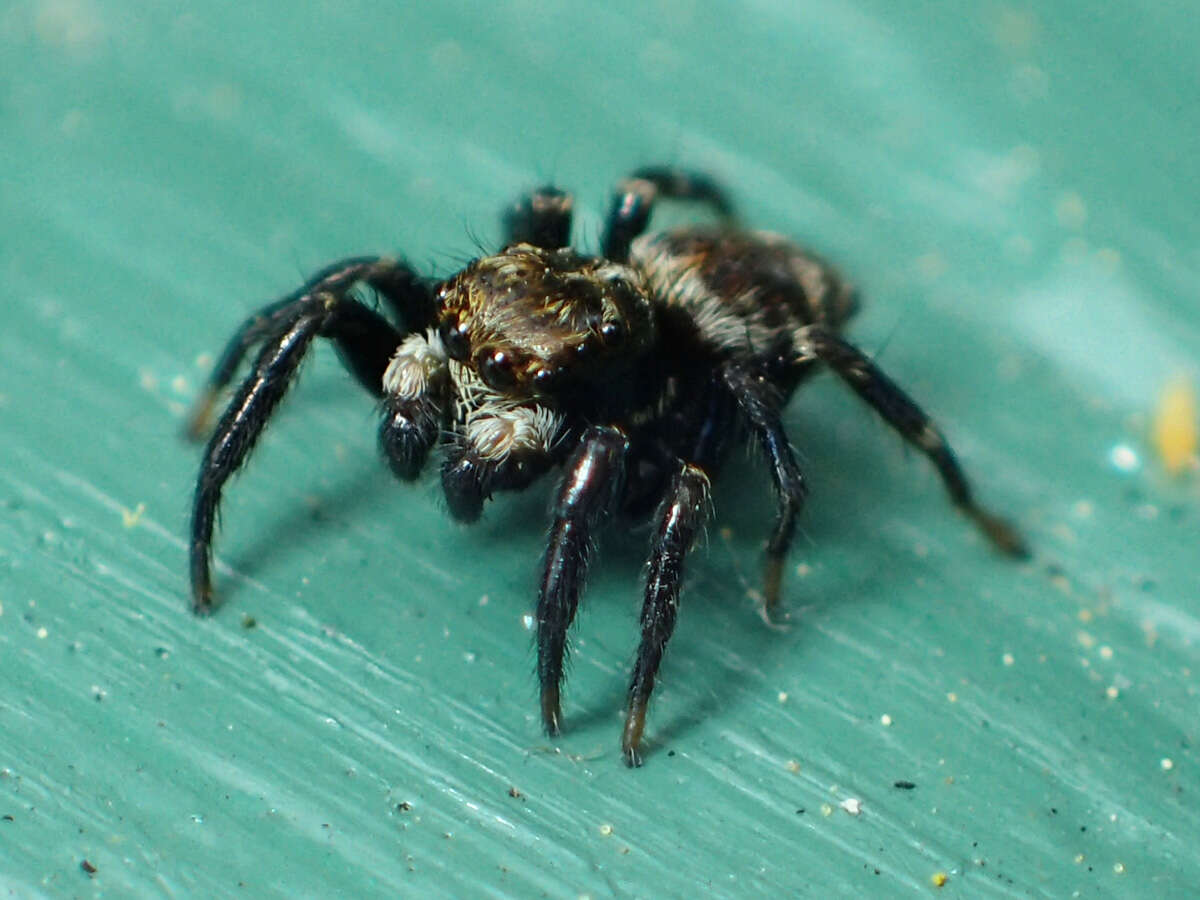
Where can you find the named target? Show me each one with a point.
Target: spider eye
(496, 369)
(546, 380)
(454, 338)
(612, 333)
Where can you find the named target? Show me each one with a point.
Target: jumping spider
(635, 371)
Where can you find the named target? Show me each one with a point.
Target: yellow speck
(952, 697)
(1109, 259)
(1079, 858)
(782, 697)
(793, 766)
(1176, 432)
(1167, 764)
(726, 534)
(939, 879)
(131, 517)
(1119, 868)
(42, 633)
(1086, 639)
(1106, 652)
(1008, 659)
(1070, 210)
(1112, 692)
(803, 570)
(826, 810)
(606, 830)
(885, 720)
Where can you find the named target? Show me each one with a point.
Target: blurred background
(1014, 189)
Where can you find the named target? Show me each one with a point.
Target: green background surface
(1015, 189)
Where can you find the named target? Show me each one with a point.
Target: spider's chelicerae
(633, 371)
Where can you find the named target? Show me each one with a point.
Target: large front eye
(454, 338)
(496, 368)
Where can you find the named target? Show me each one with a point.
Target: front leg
(286, 330)
(681, 516)
(592, 484)
(898, 410)
(361, 341)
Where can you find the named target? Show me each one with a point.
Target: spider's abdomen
(745, 292)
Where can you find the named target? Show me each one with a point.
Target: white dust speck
(851, 805)
(1124, 458)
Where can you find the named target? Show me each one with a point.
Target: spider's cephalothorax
(634, 371)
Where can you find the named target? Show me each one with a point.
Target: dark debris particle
(249, 622)
(670, 753)
(7, 818)
(800, 811)
(403, 806)
(515, 794)
(88, 867)
(904, 785)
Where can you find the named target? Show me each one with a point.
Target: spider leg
(593, 482)
(365, 341)
(541, 218)
(682, 514)
(899, 411)
(635, 197)
(397, 284)
(761, 405)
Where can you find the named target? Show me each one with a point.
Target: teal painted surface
(1014, 188)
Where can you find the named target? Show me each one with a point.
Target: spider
(634, 371)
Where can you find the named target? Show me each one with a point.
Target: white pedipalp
(418, 361)
(497, 426)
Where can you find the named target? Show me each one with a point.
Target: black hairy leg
(593, 481)
(683, 513)
(286, 329)
(760, 402)
(899, 411)
(635, 196)
(361, 339)
(542, 218)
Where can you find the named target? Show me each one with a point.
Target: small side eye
(547, 380)
(496, 369)
(612, 333)
(454, 338)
